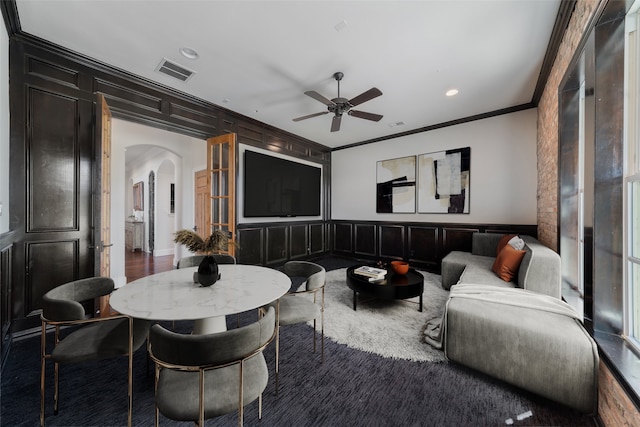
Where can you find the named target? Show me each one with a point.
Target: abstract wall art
(444, 181)
(396, 185)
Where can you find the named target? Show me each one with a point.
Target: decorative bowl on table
(400, 267)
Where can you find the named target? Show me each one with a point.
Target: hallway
(140, 264)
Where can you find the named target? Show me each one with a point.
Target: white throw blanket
(434, 331)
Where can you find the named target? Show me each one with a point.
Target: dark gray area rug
(351, 388)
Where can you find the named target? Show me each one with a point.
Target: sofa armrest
(540, 270)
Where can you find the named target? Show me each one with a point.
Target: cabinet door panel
(365, 239)
(392, 241)
(423, 244)
(251, 246)
(316, 237)
(277, 245)
(298, 241)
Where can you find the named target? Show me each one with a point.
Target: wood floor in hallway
(140, 264)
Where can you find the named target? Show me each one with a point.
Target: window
(632, 179)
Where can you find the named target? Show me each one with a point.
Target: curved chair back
(314, 274)
(211, 349)
(195, 260)
(62, 303)
(207, 366)
(190, 261)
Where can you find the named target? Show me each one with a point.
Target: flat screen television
(275, 187)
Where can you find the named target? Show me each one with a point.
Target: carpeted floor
(352, 388)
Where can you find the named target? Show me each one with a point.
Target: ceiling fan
(338, 106)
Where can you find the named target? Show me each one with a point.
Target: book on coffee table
(371, 272)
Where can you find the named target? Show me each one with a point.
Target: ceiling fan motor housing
(341, 106)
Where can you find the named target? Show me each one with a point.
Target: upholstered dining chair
(297, 307)
(205, 376)
(194, 260)
(88, 338)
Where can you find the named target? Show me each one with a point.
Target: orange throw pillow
(503, 242)
(507, 263)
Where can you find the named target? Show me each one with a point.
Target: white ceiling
(259, 57)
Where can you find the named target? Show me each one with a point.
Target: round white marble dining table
(173, 295)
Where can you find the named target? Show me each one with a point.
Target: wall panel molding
(422, 244)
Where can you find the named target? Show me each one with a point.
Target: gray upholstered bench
(532, 341)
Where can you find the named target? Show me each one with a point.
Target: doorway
(155, 169)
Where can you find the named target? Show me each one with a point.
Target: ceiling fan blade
(335, 123)
(315, 95)
(365, 96)
(297, 119)
(365, 115)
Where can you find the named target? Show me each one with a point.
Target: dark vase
(208, 271)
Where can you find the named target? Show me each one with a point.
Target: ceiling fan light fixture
(452, 92)
(339, 105)
(189, 53)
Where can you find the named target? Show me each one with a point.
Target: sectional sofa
(520, 331)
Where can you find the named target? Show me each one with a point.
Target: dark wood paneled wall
(273, 244)
(6, 261)
(422, 244)
(52, 149)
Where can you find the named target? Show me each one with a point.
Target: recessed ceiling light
(189, 53)
(452, 92)
(340, 26)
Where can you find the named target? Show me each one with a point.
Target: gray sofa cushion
(524, 338)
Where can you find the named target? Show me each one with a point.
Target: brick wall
(548, 125)
(614, 406)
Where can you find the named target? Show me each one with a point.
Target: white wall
(165, 220)
(4, 129)
(503, 171)
(187, 154)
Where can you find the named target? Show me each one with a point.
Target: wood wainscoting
(421, 244)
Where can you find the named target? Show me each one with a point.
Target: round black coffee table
(393, 286)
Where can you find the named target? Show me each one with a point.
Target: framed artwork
(138, 196)
(396, 185)
(444, 181)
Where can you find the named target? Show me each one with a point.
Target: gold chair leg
(241, 396)
(277, 346)
(322, 341)
(130, 373)
(56, 375)
(277, 356)
(155, 393)
(43, 347)
(56, 387)
(314, 335)
(201, 404)
(322, 328)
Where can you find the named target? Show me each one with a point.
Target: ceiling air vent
(174, 70)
